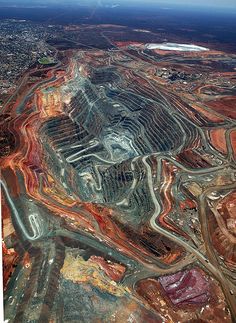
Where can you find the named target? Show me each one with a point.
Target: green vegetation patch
(46, 60)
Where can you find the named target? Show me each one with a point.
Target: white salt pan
(178, 47)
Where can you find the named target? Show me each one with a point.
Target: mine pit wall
(70, 180)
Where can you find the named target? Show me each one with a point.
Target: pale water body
(177, 47)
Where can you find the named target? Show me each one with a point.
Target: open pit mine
(118, 183)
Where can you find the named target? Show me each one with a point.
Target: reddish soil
(217, 138)
(224, 106)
